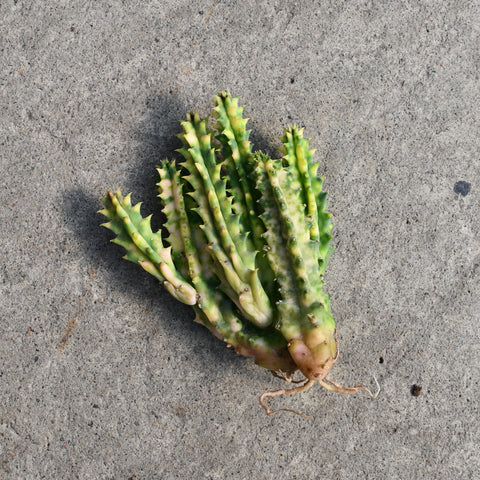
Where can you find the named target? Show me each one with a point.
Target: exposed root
(326, 383)
(284, 391)
(285, 376)
(332, 386)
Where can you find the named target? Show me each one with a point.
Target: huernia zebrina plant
(247, 246)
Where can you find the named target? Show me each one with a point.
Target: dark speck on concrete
(416, 390)
(462, 187)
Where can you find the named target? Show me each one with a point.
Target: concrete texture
(102, 374)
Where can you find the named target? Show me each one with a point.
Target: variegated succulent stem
(237, 151)
(227, 238)
(144, 247)
(304, 317)
(298, 157)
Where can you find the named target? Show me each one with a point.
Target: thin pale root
(285, 376)
(284, 391)
(326, 383)
(335, 387)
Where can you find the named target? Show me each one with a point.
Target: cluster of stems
(248, 241)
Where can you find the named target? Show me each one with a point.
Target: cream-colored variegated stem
(143, 246)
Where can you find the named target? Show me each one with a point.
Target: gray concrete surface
(102, 374)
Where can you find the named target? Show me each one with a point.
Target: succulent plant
(247, 246)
